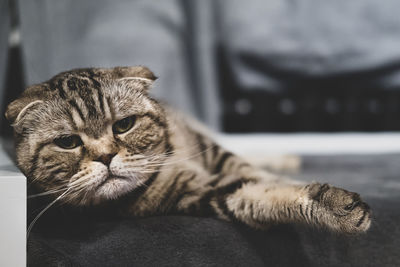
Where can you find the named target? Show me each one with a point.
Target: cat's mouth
(111, 183)
(109, 178)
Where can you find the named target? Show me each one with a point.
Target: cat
(91, 136)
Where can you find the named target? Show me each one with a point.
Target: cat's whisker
(40, 177)
(166, 154)
(37, 178)
(134, 170)
(50, 192)
(83, 199)
(79, 179)
(84, 182)
(43, 211)
(195, 147)
(170, 162)
(141, 183)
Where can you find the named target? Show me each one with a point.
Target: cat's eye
(123, 125)
(68, 142)
(351, 206)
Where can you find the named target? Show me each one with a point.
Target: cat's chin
(115, 186)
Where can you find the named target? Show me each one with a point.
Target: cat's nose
(106, 158)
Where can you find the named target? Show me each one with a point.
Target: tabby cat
(91, 136)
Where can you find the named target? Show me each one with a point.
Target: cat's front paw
(345, 211)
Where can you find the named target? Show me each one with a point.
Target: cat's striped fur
(162, 165)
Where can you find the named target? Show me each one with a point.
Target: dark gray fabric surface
(191, 241)
(157, 241)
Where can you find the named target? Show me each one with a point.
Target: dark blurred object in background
(348, 102)
(14, 78)
(288, 66)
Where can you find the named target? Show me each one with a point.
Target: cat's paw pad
(348, 213)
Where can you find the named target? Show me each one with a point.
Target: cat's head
(90, 134)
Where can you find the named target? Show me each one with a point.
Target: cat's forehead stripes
(77, 113)
(82, 84)
(77, 117)
(83, 93)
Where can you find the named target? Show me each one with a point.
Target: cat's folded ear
(19, 108)
(136, 74)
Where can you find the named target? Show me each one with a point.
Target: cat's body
(92, 136)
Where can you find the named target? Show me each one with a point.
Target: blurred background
(239, 66)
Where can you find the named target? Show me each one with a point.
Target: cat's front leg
(259, 205)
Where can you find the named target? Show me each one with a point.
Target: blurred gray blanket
(193, 241)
